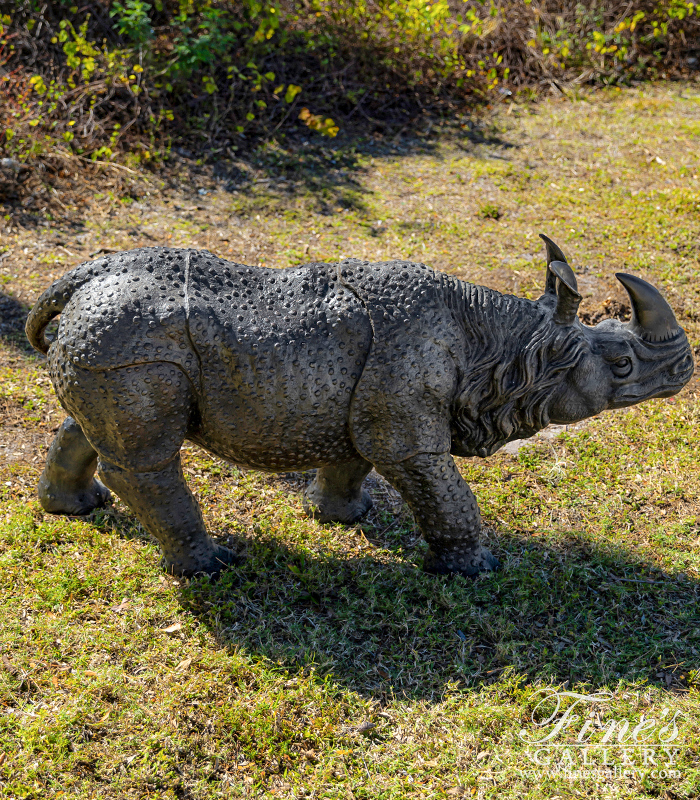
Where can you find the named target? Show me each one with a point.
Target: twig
(281, 122)
(110, 164)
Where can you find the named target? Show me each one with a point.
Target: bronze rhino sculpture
(341, 367)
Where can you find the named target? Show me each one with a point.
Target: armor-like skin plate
(338, 367)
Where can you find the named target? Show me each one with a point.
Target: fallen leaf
(172, 628)
(482, 755)
(122, 606)
(183, 665)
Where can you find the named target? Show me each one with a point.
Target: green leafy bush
(133, 20)
(104, 77)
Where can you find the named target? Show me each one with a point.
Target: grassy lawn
(329, 665)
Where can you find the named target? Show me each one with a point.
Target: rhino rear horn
(652, 317)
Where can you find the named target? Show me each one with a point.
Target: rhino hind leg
(336, 493)
(137, 418)
(168, 510)
(446, 512)
(68, 484)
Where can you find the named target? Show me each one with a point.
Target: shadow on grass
(562, 610)
(328, 170)
(13, 316)
(268, 178)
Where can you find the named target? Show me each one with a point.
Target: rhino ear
(561, 284)
(554, 253)
(568, 297)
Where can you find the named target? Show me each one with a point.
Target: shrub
(102, 77)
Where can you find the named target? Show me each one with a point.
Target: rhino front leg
(168, 511)
(336, 493)
(68, 484)
(445, 510)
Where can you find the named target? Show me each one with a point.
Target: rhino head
(622, 363)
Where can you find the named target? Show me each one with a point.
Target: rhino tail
(50, 305)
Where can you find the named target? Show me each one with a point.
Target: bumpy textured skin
(338, 367)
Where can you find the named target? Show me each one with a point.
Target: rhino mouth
(667, 389)
(632, 398)
(663, 382)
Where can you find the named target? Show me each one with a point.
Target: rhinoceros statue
(342, 367)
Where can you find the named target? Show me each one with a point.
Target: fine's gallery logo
(571, 733)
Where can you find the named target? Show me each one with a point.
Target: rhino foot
(336, 493)
(334, 509)
(213, 565)
(460, 563)
(68, 484)
(56, 499)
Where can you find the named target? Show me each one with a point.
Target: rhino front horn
(652, 317)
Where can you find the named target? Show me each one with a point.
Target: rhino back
(132, 310)
(281, 352)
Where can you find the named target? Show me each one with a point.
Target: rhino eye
(622, 367)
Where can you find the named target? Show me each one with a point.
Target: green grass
(329, 665)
